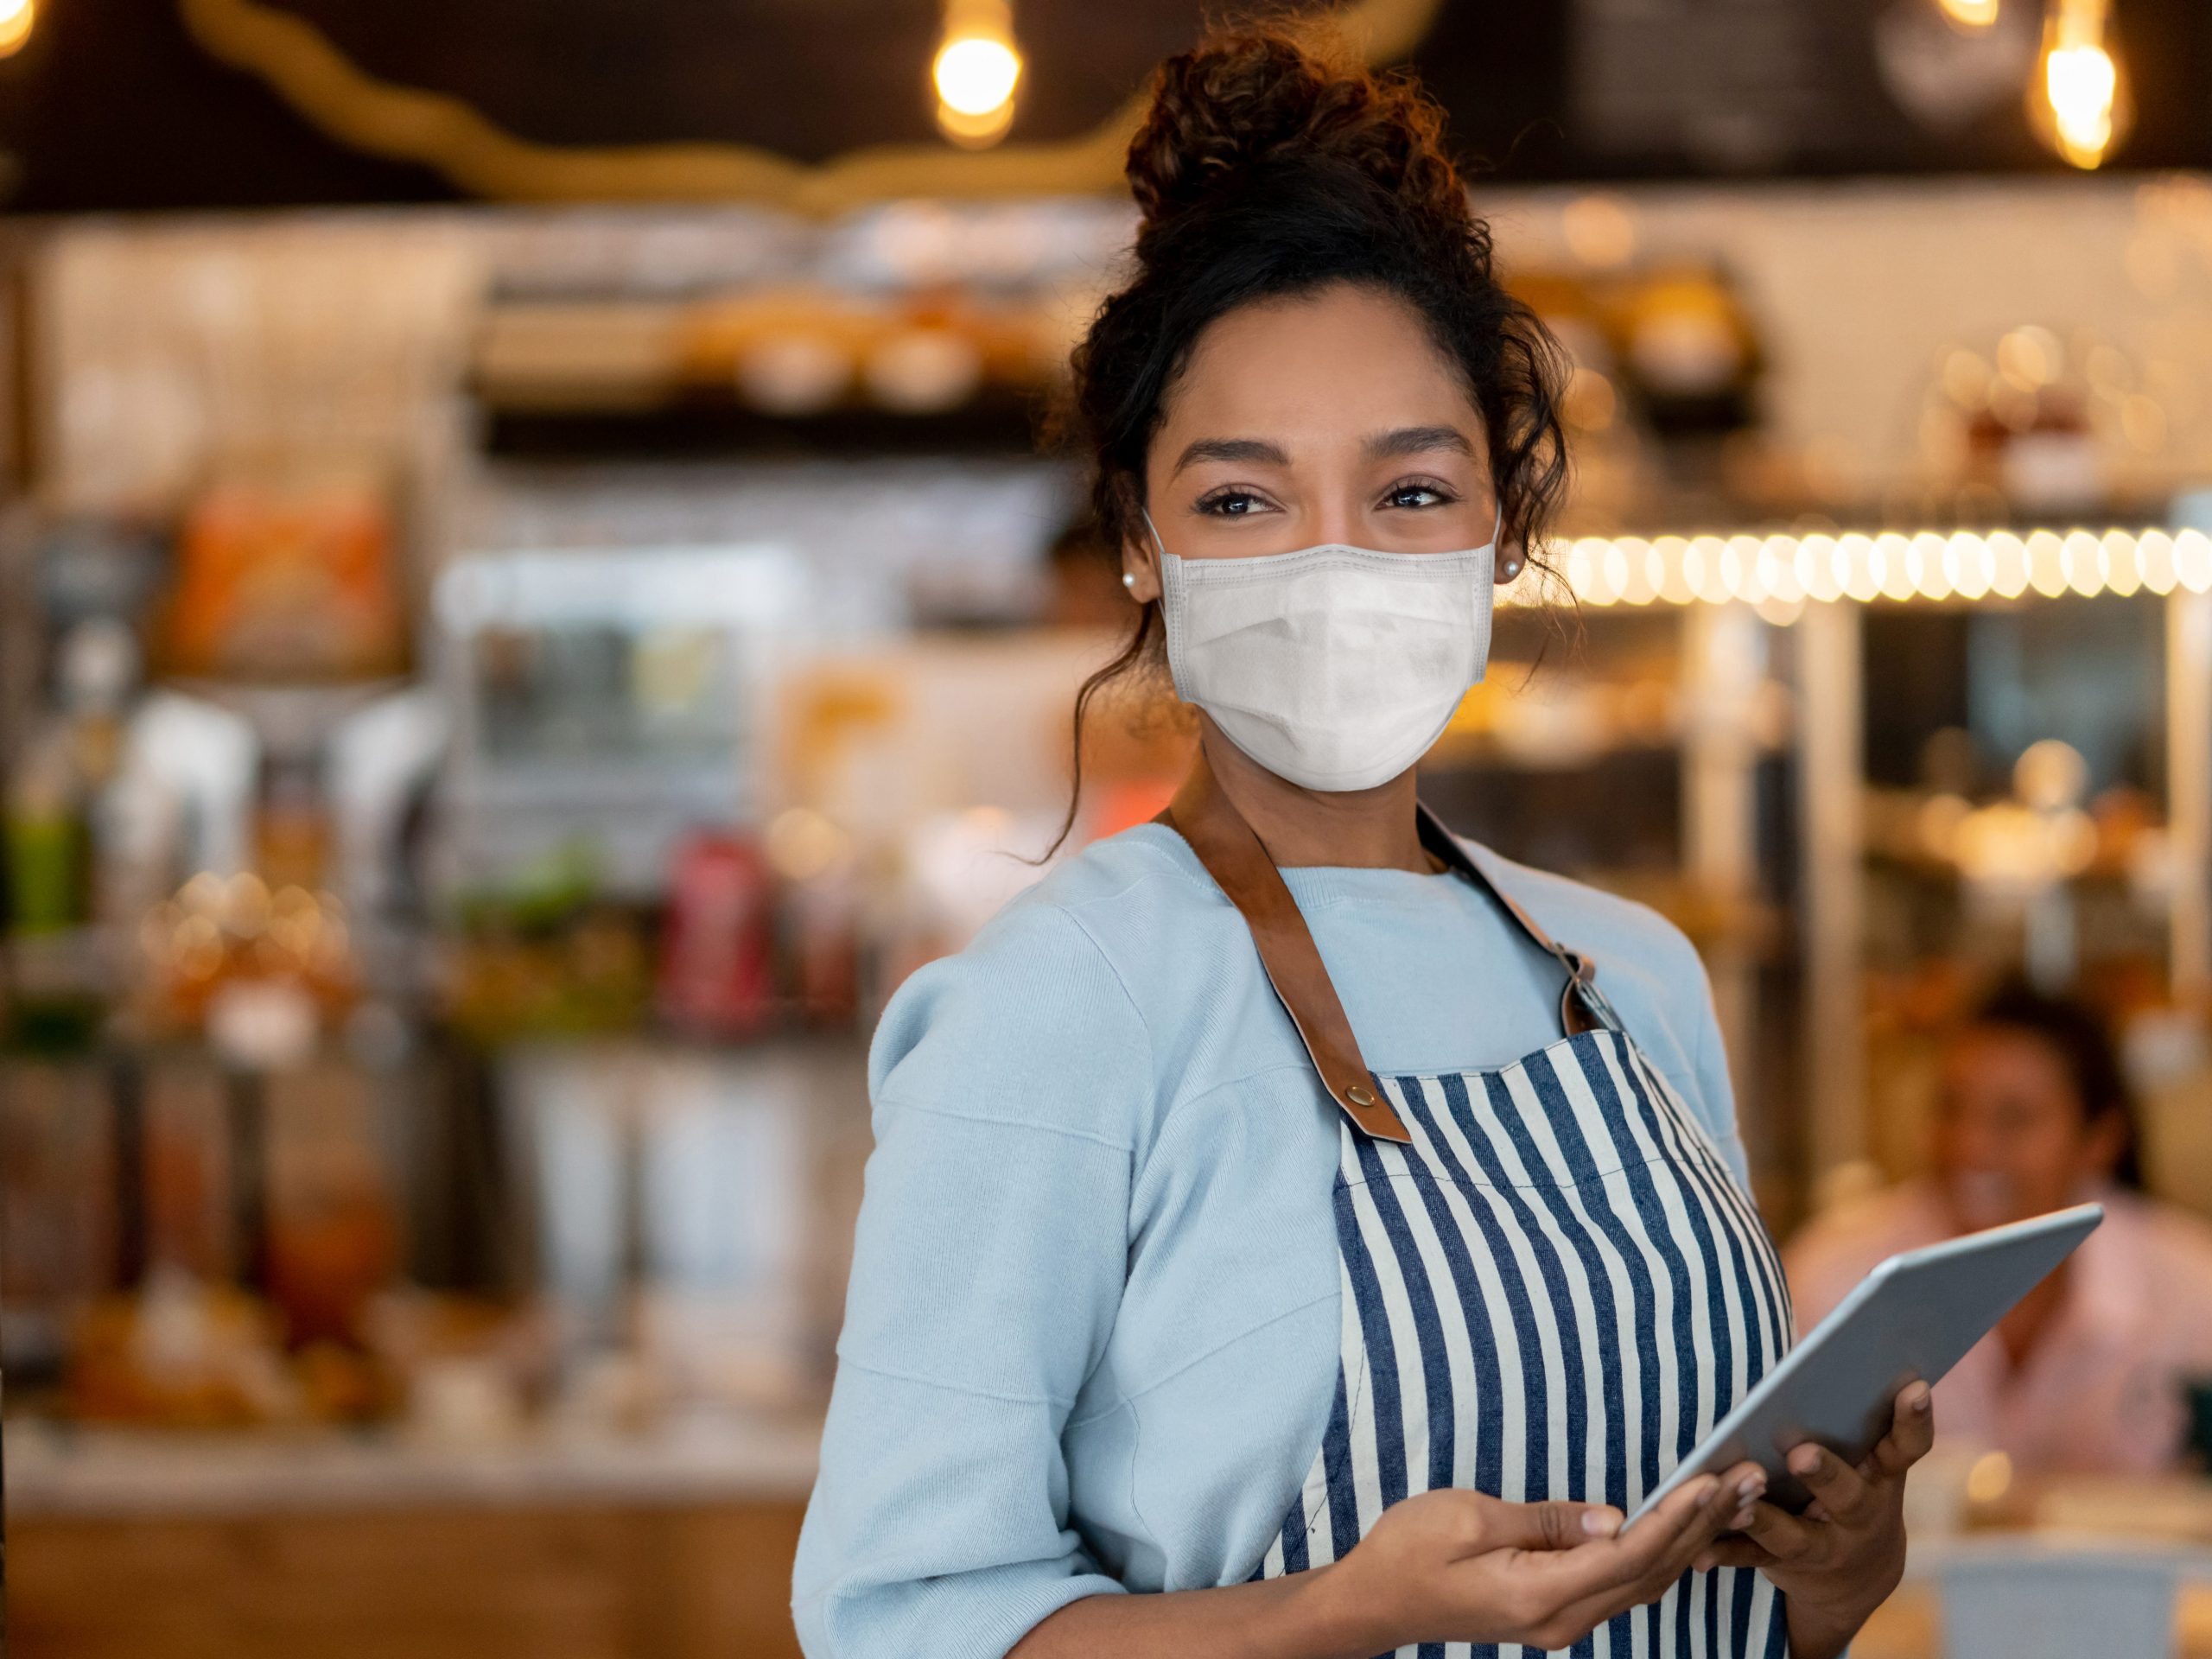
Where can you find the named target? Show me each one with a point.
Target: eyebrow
(1255, 451)
(1416, 440)
(1393, 445)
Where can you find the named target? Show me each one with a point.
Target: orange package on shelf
(288, 579)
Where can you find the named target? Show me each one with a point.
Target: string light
(2046, 564)
(2121, 573)
(1779, 573)
(976, 70)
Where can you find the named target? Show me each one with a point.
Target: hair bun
(1241, 102)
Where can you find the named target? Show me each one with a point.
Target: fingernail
(1919, 1399)
(1742, 1519)
(1751, 1486)
(1804, 1460)
(1600, 1524)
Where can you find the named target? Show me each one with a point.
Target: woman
(2088, 1373)
(1273, 1244)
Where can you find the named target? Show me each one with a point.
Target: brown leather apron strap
(1582, 1006)
(1242, 867)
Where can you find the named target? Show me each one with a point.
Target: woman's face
(1326, 418)
(2011, 1138)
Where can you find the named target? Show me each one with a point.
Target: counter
(152, 1546)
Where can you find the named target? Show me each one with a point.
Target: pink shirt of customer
(2101, 1388)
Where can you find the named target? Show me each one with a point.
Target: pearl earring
(1128, 579)
(1512, 569)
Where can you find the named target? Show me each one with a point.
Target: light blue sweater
(1091, 1333)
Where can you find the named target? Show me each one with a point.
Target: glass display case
(610, 698)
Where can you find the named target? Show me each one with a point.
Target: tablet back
(1914, 1316)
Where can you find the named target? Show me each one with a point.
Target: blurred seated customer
(2088, 1373)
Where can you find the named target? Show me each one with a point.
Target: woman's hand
(1459, 1567)
(1838, 1561)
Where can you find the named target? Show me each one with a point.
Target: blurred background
(531, 596)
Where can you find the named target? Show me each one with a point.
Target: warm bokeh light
(976, 71)
(1971, 13)
(975, 76)
(2079, 100)
(17, 18)
(1600, 231)
(2080, 82)
(1989, 1478)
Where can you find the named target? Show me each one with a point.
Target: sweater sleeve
(1006, 1084)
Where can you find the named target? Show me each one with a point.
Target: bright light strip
(2046, 562)
(2193, 561)
(2154, 553)
(1639, 587)
(1780, 572)
(1821, 568)
(1929, 562)
(2122, 574)
(1616, 569)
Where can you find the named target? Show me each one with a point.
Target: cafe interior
(538, 585)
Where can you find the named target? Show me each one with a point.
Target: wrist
(1817, 1633)
(1333, 1615)
(1822, 1625)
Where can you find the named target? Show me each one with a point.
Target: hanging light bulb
(2079, 100)
(975, 70)
(17, 18)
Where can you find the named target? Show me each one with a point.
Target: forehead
(2003, 1056)
(1342, 362)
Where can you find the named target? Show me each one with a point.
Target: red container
(717, 972)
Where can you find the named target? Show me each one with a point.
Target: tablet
(1913, 1317)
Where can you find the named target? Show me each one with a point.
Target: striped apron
(1551, 1286)
(1552, 1292)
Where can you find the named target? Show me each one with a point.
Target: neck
(1366, 829)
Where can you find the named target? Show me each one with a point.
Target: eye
(1417, 493)
(1229, 503)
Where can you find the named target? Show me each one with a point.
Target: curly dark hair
(1273, 163)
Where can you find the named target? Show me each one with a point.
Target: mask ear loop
(1146, 513)
(1131, 581)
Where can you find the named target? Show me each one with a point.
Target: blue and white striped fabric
(1552, 1293)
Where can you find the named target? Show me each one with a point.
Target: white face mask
(1335, 667)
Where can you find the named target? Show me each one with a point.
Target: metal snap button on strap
(1360, 1094)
